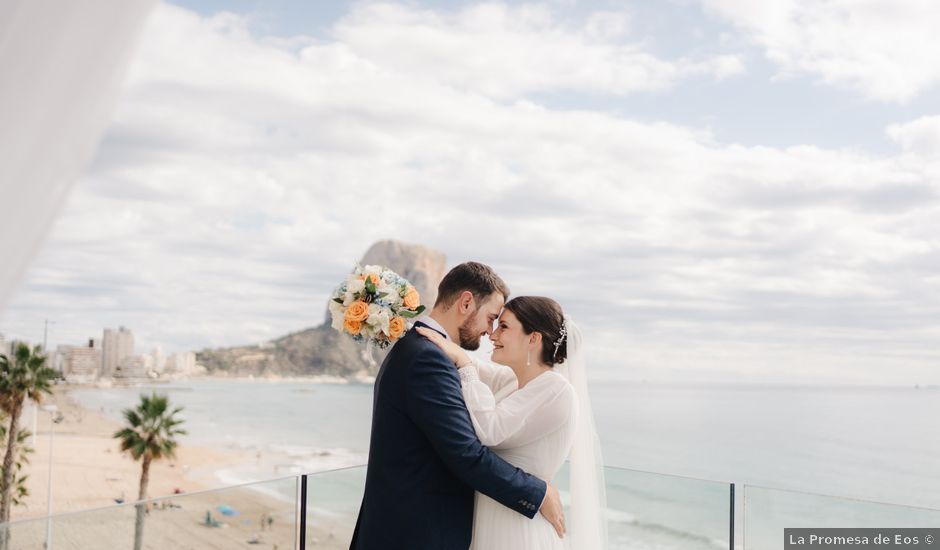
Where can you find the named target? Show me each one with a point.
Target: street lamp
(45, 334)
(56, 418)
(45, 351)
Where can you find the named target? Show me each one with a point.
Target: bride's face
(510, 342)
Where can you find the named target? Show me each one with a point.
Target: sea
(798, 455)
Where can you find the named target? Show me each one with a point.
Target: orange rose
(372, 277)
(396, 327)
(357, 311)
(352, 327)
(412, 299)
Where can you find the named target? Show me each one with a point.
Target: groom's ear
(465, 302)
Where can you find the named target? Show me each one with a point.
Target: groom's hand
(552, 510)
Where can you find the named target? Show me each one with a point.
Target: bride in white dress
(526, 407)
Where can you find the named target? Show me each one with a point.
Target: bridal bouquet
(372, 305)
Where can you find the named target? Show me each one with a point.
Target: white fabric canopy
(61, 66)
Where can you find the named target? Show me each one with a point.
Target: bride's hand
(453, 351)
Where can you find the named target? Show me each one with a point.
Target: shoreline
(312, 379)
(89, 470)
(327, 379)
(90, 473)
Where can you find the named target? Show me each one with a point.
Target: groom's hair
(479, 279)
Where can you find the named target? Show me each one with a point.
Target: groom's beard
(469, 340)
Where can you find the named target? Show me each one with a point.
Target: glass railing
(768, 511)
(332, 507)
(644, 510)
(649, 510)
(261, 513)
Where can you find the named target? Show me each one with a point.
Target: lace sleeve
(535, 411)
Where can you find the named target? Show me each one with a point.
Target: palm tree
(150, 434)
(20, 489)
(25, 376)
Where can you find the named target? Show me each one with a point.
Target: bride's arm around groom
(505, 417)
(441, 411)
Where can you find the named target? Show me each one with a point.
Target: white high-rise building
(171, 365)
(135, 366)
(117, 345)
(159, 360)
(6, 346)
(82, 364)
(181, 364)
(58, 357)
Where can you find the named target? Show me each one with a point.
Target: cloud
(243, 176)
(507, 52)
(883, 49)
(920, 136)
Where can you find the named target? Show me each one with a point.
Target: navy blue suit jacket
(425, 459)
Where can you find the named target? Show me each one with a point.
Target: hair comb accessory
(561, 339)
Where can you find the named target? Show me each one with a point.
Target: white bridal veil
(587, 528)
(62, 64)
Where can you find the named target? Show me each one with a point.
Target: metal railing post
(302, 514)
(731, 532)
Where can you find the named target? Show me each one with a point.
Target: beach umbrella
(227, 510)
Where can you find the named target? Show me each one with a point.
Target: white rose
(393, 297)
(379, 318)
(355, 286)
(391, 293)
(338, 313)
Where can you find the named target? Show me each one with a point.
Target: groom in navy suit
(425, 460)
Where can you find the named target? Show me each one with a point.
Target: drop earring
(528, 358)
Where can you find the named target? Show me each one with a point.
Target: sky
(716, 190)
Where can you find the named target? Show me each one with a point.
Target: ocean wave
(234, 476)
(613, 515)
(619, 516)
(673, 532)
(273, 461)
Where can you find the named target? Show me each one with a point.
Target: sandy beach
(90, 472)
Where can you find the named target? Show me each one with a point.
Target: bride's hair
(542, 315)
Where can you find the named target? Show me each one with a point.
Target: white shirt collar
(427, 320)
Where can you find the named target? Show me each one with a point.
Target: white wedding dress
(532, 428)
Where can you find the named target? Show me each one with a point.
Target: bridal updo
(542, 315)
